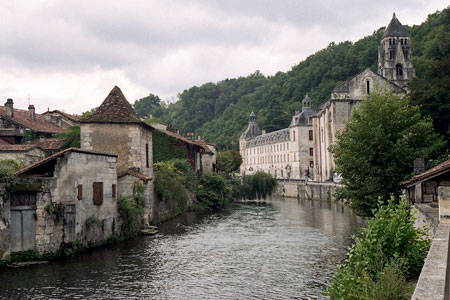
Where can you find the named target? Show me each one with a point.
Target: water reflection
(280, 249)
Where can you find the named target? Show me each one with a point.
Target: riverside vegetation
(384, 256)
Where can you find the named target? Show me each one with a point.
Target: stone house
(429, 193)
(65, 199)
(17, 123)
(168, 145)
(208, 157)
(60, 118)
(116, 129)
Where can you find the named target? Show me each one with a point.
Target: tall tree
(375, 152)
(146, 106)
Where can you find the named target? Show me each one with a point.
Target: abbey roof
(395, 29)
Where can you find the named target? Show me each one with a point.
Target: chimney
(9, 108)
(199, 138)
(263, 131)
(31, 113)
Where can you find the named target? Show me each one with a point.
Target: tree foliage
(213, 192)
(9, 166)
(71, 135)
(147, 106)
(375, 152)
(386, 253)
(256, 186)
(229, 161)
(219, 111)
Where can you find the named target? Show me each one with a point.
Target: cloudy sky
(69, 54)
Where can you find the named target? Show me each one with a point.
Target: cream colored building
(286, 153)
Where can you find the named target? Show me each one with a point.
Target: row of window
(97, 196)
(275, 158)
(268, 149)
(402, 41)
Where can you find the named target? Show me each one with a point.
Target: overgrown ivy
(166, 148)
(131, 209)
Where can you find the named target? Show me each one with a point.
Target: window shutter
(98, 193)
(114, 191)
(80, 192)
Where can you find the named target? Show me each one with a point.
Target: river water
(277, 249)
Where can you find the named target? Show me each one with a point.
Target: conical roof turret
(395, 29)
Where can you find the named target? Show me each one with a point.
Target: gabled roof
(50, 143)
(429, 174)
(181, 138)
(344, 87)
(21, 119)
(395, 29)
(71, 117)
(114, 109)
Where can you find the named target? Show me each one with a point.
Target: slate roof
(114, 109)
(269, 138)
(429, 174)
(21, 118)
(302, 118)
(395, 29)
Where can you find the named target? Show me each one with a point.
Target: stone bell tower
(394, 54)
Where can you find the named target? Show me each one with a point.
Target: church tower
(394, 54)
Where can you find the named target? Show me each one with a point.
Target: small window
(311, 151)
(98, 193)
(310, 135)
(113, 191)
(80, 192)
(368, 87)
(294, 135)
(399, 69)
(311, 164)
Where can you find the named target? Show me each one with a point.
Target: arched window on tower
(399, 69)
(368, 86)
(391, 54)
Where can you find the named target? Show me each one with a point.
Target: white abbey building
(285, 153)
(301, 151)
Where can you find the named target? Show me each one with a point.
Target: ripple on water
(272, 250)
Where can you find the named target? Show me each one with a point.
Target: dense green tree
(72, 136)
(229, 161)
(375, 152)
(146, 106)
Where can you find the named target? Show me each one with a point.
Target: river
(277, 249)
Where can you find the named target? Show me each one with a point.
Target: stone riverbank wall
(302, 189)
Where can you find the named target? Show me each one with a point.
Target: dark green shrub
(186, 174)
(256, 186)
(8, 167)
(131, 210)
(213, 191)
(390, 247)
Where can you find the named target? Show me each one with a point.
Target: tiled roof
(281, 135)
(17, 147)
(135, 173)
(395, 29)
(114, 109)
(177, 136)
(428, 174)
(50, 143)
(205, 144)
(71, 117)
(39, 125)
(3, 142)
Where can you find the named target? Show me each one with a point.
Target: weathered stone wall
(133, 145)
(5, 217)
(60, 194)
(306, 190)
(25, 157)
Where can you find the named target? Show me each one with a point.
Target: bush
(256, 186)
(131, 209)
(213, 191)
(186, 174)
(8, 167)
(389, 248)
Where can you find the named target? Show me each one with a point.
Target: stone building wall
(5, 215)
(25, 157)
